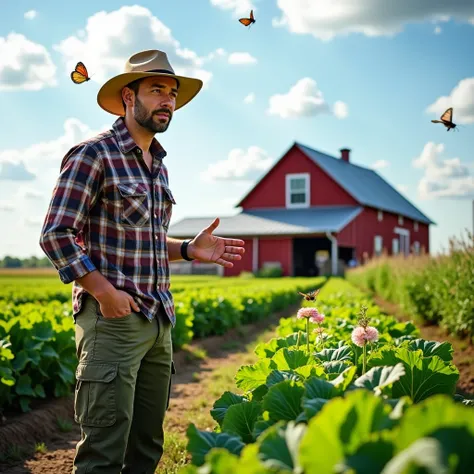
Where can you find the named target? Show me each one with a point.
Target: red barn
(310, 206)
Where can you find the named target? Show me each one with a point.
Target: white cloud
(30, 14)
(443, 178)
(250, 98)
(238, 7)
(461, 99)
(341, 110)
(325, 20)
(6, 206)
(304, 99)
(403, 188)
(41, 158)
(241, 58)
(15, 171)
(239, 165)
(29, 193)
(380, 164)
(111, 38)
(24, 64)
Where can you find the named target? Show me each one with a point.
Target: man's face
(155, 103)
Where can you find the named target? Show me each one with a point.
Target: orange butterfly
(80, 74)
(248, 21)
(447, 120)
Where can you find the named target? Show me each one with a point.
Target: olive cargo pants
(123, 383)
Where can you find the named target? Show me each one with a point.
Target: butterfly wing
(251, 15)
(437, 121)
(448, 115)
(245, 21)
(78, 78)
(81, 69)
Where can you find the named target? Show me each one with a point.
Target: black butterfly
(311, 296)
(447, 119)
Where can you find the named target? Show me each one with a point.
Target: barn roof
(365, 185)
(272, 222)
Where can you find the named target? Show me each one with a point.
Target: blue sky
(330, 77)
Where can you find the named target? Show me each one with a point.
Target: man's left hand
(206, 247)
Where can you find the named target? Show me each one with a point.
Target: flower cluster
(310, 313)
(361, 336)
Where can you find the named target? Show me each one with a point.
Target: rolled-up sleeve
(75, 193)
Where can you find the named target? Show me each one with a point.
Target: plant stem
(298, 340)
(364, 357)
(307, 334)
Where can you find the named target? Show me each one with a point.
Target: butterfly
(311, 296)
(447, 119)
(80, 74)
(247, 21)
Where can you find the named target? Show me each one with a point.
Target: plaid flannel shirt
(108, 212)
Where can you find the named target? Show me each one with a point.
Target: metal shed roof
(272, 222)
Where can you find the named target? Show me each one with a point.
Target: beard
(146, 119)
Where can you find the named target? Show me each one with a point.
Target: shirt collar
(126, 143)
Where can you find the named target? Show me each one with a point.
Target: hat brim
(109, 96)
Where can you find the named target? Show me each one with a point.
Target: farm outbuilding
(313, 213)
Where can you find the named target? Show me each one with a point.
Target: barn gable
(352, 184)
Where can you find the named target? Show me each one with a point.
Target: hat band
(161, 70)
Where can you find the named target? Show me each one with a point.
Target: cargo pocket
(173, 371)
(95, 400)
(135, 209)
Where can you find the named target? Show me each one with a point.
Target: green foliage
(433, 289)
(37, 343)
(315, 412)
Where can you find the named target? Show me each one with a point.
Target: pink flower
(317, 318)
(319, 330)
(360, 336)
(307, 313)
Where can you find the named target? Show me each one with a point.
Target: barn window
(415, 226)
(378, 241)
(395, 246)
(400, 220)
(297, 190)
(380, 216)
(416, 247)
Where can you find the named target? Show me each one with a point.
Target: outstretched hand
(207, 247)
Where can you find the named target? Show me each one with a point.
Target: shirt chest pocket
(134, 204)
(166, 206)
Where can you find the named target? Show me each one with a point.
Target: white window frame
(380, 216)
(404, 238)
(415, 226)
(378, 238)
(289, 178)
(395, 246)
(400, 220)
(416, 247)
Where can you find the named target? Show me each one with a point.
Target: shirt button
(139, 151)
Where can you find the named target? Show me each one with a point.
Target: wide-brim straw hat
(145, 64)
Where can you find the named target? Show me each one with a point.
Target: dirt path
(204, 370)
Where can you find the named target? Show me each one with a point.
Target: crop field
(37, 347)
(339, 402)
(334, 386)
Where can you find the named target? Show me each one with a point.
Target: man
(106, 231)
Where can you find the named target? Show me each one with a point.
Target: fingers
(238, 242)
(234, 250)
(134, 305)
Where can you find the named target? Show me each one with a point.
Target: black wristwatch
(184, 251)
